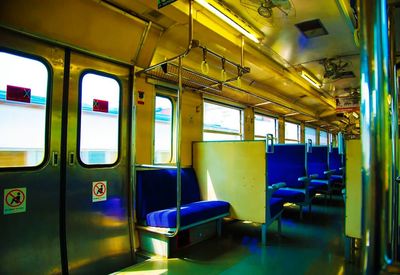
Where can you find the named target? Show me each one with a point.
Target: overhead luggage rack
(169, 72)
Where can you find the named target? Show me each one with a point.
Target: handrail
(270, 138)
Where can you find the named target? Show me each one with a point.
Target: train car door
(31, 86)
(97, 175)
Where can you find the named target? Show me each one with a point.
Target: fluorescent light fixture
(355, 115)
(232, 20)
(291, 114)
(307, 76)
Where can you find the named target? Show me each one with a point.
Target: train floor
(313, 245)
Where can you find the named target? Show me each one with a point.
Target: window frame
(225, 105)
(48, 103)
(79, 118)
(276, 127)
(173, 124)
(327, 137)
(298, 141)
(305, 135)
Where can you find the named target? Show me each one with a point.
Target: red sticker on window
(20, 94)
(100, 105)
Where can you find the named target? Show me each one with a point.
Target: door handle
(71, 158)
(54, 159)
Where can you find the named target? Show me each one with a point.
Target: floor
(314, 245)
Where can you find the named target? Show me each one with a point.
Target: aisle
(314, 245)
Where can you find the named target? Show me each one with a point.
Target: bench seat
(190, 214)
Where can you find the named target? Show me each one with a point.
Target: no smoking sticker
(99, 191)
(14, 200)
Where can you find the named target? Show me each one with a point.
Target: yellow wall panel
(233, 171)
(353, 189)
(82, 23)
(192, 124)
(144, 122)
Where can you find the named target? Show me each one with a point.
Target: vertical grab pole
(178, 151)
(374, 134)
(394, 137)
(309, 146)
(270, 141)
(178, 148)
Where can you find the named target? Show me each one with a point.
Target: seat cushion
(275, 206)
(320, 184)
(190, 213)
(292, 196)
(337, 177)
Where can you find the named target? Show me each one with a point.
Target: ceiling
(275, 63)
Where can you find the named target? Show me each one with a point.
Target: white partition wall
(233, 171)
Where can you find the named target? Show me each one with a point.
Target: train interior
(199, 136)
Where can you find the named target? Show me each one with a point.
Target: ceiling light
(231, 19)
(355, 115)
(310, 78)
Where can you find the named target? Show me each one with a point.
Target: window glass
(23, 99)
(163, 130)
(99, 119)
(323, 138)
(311, 133)
(264, 125)
(292, 133)
(221, 122)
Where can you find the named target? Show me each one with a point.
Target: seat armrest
(328, 173)
(313, 176)
(278, 185)
(304, 179)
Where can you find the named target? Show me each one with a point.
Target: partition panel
(233, 171)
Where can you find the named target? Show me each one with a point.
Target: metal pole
(394, 137)
(178, 150)
(374, 133)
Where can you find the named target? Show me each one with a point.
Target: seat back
(156, 190)
(317, 161)
(287, 164)
(335, 160)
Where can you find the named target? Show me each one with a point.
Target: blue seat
(290, 195)
(287, 164)
(336, 163)
(317, 166)
(190, 213)
(156, 199)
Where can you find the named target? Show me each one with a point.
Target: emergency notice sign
(14, 200)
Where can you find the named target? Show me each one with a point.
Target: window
(99, 119)
(221, 122)
(292, 133)
(264, 125)
(163, 130)
(311, 133)
(23, 106)
(323, 138)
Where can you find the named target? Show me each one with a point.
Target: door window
(23, 108)
(99, 119)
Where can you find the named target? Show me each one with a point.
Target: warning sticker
(20, 94)
(14, 200)
(100, 105)
(99, 191)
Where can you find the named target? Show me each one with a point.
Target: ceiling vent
(312, 28)
(155, 15)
